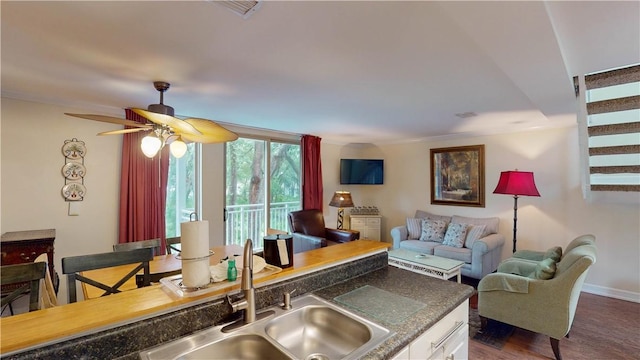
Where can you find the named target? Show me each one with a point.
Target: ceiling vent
(466, 115)
(240, 7)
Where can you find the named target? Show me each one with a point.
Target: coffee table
(430, 265)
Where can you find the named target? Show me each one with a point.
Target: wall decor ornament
(74, 149)
(74, 170)
(457, 176)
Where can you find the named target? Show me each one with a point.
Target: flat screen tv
(361, 172)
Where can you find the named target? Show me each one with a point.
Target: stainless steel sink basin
(314, 329)
(321, 331)
(246, 347)
(214, 344)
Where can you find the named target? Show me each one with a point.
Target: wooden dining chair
(173, 245)
(29, 273)
(153, 243)
(73, 265)
(48, 296)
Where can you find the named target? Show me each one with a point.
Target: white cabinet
(447, 339)
(368, 225)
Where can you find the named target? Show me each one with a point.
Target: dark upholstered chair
(309, 231)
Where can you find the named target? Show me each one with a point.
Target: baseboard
(612, 293)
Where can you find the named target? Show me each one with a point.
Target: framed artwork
(457, 176)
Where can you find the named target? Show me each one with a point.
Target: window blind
(613, 120)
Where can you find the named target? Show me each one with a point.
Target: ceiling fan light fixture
(178, 148)
(150, 145)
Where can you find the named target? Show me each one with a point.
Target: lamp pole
(515, 219)
(516, 183)
(340, 218)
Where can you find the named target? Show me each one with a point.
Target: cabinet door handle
(443, 339)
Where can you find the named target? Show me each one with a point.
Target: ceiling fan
(165, 128)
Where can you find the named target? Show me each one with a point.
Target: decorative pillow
(544, 270)
(414, 227)
(554, 253)
(433, 230)
(474, 232)
(456, 235)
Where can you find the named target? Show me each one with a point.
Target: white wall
(555, 218)
(32, 138)
(32, 135)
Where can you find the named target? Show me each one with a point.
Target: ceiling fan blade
(108, 119)
(125, 131)
(177, 125)
(211, 132)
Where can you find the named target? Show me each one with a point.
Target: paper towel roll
(195, 245)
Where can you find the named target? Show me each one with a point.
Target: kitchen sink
(314, 329)
(319, 330)
(247, 346)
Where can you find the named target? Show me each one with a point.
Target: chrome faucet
(248, 304)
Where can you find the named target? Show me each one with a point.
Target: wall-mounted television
(361, 171)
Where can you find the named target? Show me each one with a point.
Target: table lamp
(341, 200)
(516, 183)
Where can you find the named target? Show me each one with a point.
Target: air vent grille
(240, 7)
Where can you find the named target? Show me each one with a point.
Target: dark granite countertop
(125, 342)
(439, 296)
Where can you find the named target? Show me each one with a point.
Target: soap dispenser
(232, 272)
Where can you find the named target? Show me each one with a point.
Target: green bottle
(232, 272)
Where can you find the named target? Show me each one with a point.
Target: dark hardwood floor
(603, 329)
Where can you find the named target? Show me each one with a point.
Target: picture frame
(457, 176)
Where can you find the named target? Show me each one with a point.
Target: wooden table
(162, 264)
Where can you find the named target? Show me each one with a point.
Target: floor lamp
(341, 200)
(516, 183)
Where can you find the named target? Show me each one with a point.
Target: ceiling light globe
(178, 148)
(150, 145)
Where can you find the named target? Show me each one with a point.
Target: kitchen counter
(43, 327)
(121, 325)
(439, 297)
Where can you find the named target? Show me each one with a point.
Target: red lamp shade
(516, 183)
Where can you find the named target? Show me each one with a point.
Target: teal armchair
(539, 296)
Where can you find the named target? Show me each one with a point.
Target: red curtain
(143, 189)
(312, 173)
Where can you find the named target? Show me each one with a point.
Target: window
(182, 190)
(613, 126)
(257, 170)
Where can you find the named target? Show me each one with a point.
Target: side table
(430, 265)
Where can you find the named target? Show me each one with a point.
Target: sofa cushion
(554, 253)
(423, 247)
(414, 228)
(456, 235)
(491, 224)
(427, 215)
(474, 232)
(544, 270)
(433, 230)
(450, 252)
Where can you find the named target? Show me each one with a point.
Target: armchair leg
(555, 345)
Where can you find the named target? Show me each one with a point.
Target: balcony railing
(248, 221)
